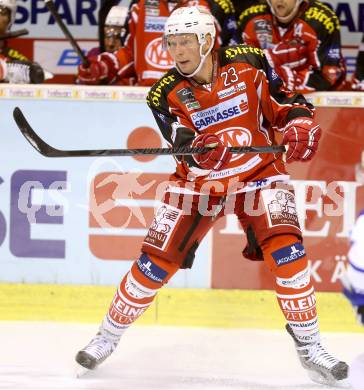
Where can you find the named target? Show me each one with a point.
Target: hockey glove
(102, 69)
(217, 158)
(21, 72)
(301, 135)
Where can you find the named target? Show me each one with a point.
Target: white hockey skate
(321, 367)
(96, 351)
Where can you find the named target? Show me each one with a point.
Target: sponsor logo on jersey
(221, 112)
(152, 7)
(151, 270)
(334, 53)
(193, 106)
(165, 220)
(156, 56)
(154, 24)
(298, 281)
(235, 51)
(329, 21)
(156, 92)
(185, 95)
(281, 207)
(288, 254)
(262, 26)
(231, 90)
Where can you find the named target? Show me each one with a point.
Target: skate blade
(80, 371)
(319, 378)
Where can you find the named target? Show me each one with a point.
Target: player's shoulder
(241, 54)
(221, 6)
(252, 12)
(14, 54)
(321, 17)
(163, 87)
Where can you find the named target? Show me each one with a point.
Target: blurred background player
(114, 31)
(142, 54)
(210, 98)
(301, 39)
(242, 5)
(14, 66)
(354, 282)
(357, 83)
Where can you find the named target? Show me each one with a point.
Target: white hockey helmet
(116, 16)
(192, 20)
(11, 5)
(288, 18)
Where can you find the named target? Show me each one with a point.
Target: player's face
(283, 8)
(185, 51)
(112, 38)
(4, 19)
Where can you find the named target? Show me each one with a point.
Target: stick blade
(31, 136)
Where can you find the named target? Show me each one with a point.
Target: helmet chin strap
(288, 18)
(202, 60)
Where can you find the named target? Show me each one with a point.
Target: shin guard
(137, 291)
(286, 257)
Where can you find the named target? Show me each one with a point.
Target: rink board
(59, 224)
(210, 308)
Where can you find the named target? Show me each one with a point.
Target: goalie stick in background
(353, 282)
(228, 96)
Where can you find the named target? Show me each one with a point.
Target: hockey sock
(137, 291)
(286, 257)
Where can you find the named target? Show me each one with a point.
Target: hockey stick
(14, 34)
(48, 151)
(52, 9)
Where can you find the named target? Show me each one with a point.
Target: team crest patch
(161, 229)
(185, 95)
(281, 207)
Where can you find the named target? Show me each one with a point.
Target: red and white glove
(215, 159)
(287, 53)
(301, 135)
(102, 69)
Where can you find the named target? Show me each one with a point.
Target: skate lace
(100, 347)
(317, 354)
(18, 73)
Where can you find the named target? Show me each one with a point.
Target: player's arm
(224, 14)
(289, 113)
(330, 72)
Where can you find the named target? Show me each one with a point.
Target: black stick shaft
(52, 9)
(49, 151)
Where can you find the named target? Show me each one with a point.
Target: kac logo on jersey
(221, 112)
(156, 56)
(236, 136)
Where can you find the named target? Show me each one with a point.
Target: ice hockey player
(220, 98)
(14, 66)
(301, 40)
(142, 55)
(114, 30)
(354, 282)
